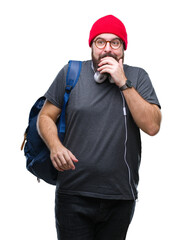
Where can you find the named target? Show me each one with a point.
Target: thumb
(121, 61)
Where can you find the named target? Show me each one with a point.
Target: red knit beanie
(109, 24)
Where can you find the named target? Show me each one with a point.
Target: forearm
(61, 157)
(48, 131)
(147, 116)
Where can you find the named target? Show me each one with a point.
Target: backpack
(37, 154)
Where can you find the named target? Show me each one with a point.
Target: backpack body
(37, 154)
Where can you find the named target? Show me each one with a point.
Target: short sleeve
(55, 93)
(145, 87)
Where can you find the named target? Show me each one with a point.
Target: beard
(97, 60)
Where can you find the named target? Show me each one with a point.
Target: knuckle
(64, 164)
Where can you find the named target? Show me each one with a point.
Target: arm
(61, 157)
(147, 116)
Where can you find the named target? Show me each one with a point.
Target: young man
(99, 159)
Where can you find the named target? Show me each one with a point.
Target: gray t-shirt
(102, 136)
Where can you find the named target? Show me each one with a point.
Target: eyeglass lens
(101, 43)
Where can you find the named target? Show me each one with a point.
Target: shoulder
(87, 64)
(135, 74)
(134, 69)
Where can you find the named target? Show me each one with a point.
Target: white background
(37, 38)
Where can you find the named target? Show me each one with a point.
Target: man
(99, 159)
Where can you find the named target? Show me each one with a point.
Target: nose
(107, 47)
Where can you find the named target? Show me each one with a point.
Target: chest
(91, 98)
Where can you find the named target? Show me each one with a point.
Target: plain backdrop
(38, 37)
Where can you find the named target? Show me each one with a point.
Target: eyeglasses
(114, 44)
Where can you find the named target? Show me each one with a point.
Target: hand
(62, 159)
(114, 68)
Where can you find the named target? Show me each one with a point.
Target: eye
(115, 43)
(100, 42)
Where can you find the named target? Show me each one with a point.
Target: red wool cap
(108, 24)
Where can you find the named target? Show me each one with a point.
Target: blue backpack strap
(72, 77)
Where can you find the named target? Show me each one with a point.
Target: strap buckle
(68, 88)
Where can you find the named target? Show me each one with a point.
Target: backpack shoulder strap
(73, 73)
(72, 77)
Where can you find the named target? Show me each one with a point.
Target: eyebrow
(108, 40)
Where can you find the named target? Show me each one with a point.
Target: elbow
(41, 120)
(38, 125)
(151, 124)
(153, 130)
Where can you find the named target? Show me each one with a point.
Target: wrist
(55, 145)
(127, 85)
(122, 82)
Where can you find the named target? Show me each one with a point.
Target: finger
(109, 59)
(74, 159)
(121, 62)
(105, 69)
(55, 165)
(105, 61)
(66, 162)
(69, 161)
(59, 162)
